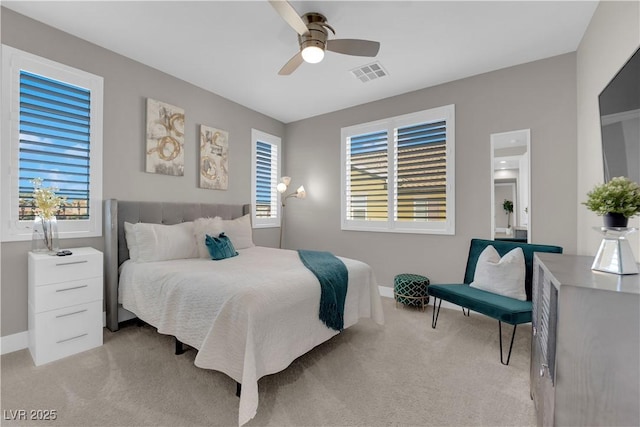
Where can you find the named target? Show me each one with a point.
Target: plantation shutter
(266, 180)
(421, 165)
(367, 177)
(399, 173)
(54, 143)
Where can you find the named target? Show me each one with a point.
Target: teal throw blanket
(333, 277)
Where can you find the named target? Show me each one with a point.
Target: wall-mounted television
(620, 122)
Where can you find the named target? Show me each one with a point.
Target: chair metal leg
(510, 345)
(179, 347)
(468, 313)
(434, 315)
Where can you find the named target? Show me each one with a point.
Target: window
(54, 132)
(398, 174)
(265, 170)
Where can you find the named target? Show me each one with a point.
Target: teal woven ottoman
(411, 289)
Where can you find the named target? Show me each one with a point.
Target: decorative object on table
(616, 200)
(214, 160)
(507, 205)
(165, 138)
(282, 186)
(614, 254)
(411, 289)
(45, 227)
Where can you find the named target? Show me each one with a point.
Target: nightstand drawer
(55, 269)
(51, 297)
(60, 333)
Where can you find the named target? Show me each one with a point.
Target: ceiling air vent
(369, 72)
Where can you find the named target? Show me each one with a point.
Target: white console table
(585, 358)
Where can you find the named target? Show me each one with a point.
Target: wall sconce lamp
(282, 186)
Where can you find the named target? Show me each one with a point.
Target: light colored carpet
(404, 373)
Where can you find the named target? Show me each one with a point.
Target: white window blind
(421, 172)
(266, 180)
(399, 174)
(52, 130)
(367, 171)
(265, 170)
(54, 143)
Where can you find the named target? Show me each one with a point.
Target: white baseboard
(387, 292)
(15, 342)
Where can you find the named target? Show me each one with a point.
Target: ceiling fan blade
(290, 15)
(354, 47)
(291, 65)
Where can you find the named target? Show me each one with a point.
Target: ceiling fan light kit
(312, 54)
(312, 29)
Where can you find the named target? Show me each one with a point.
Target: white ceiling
(236, 48)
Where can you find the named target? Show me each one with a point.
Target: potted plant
(507, 205)
(616, 200)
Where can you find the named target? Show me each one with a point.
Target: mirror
(510, 182)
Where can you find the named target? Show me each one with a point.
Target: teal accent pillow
(220, 247)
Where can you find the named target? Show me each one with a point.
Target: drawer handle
(72, 262)
(70, 314)
(70, 289)
(72, 338)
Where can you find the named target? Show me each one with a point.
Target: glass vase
(45, 235)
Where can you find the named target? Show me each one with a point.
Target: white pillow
(202, 227)
(239, 232)
(159, 242)
(503, 276)
(132, 244)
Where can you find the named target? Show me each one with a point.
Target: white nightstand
(65, 303)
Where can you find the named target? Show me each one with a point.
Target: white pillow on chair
(503, 276)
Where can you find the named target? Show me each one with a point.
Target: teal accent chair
(504, 309)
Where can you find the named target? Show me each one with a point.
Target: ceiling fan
(313, 38)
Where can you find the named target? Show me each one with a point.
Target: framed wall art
(214, 158)
(165, 138)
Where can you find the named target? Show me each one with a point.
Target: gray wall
(127, 84)
(612, 37)
(540, 95)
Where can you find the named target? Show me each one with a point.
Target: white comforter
(249, 316)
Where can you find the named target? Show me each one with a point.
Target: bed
(247, 316)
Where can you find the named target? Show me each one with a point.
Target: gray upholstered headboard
(116, 212)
